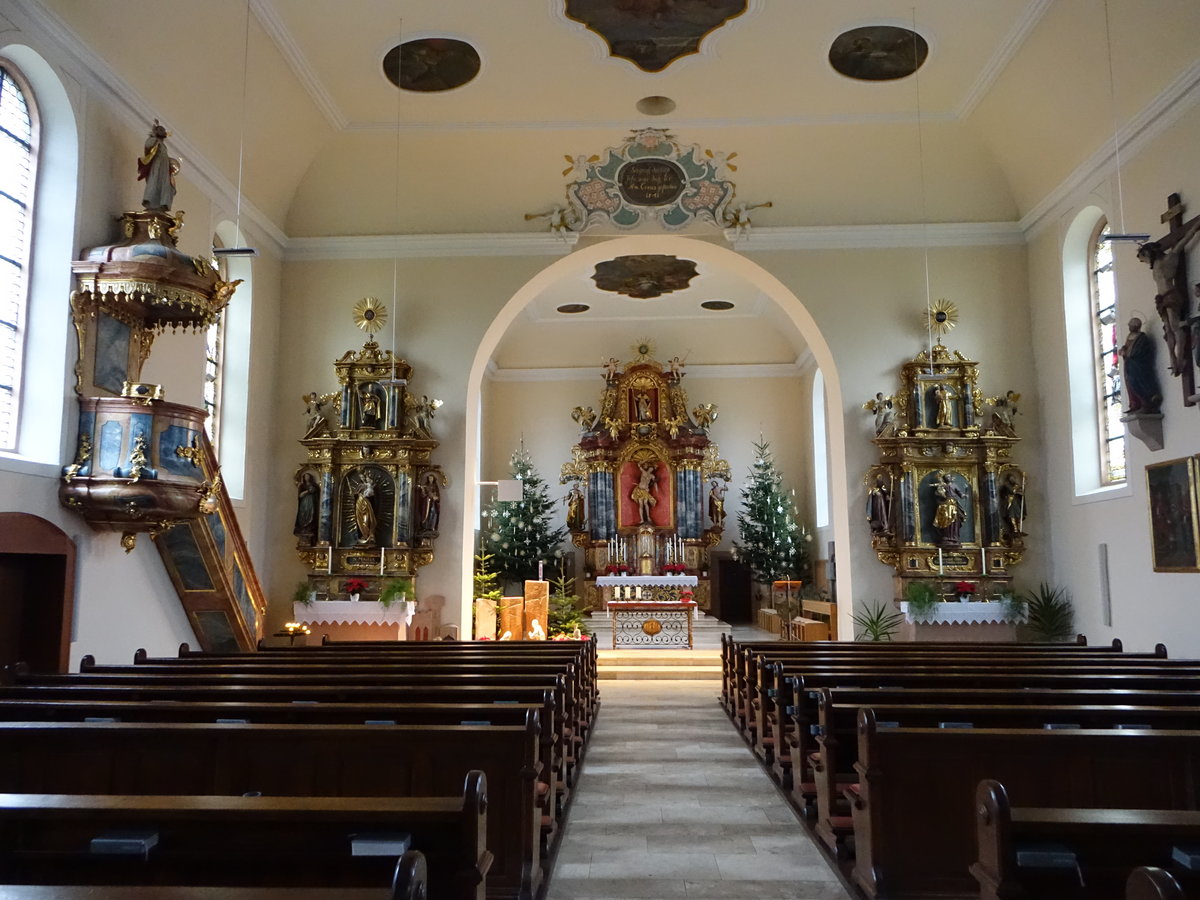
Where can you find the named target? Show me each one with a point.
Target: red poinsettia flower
(964, 587)
(355, 586)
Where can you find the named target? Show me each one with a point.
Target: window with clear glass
(17, 160)
(214, 340)
(1108, 362)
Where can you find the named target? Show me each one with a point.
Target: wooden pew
(838, 742)
(1041, 853)
(248, 842)
(797, 694)
(553, 798)
(295, 761)
(914, 799)
(1152, 883)
(338, 687)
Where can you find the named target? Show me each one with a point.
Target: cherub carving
(705, 414)
(585, 416)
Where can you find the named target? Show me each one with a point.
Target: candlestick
(983, 559)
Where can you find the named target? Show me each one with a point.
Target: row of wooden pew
(293, 767)
(902, 758)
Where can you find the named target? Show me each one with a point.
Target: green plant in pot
(878, 622)
(397, 588)
(1051, 615)
(922, 600)
(304, 595)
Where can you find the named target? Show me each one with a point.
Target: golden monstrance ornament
(942, 316)
(369, 314)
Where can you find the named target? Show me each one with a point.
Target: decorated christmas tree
(518, 533)
(772, 544)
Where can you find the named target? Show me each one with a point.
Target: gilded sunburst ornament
(942, 316)
(369, 314)
(644, 349)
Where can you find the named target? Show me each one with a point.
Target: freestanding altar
(644, 479)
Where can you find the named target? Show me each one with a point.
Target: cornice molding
(1138, 133)
(273, 25)
(1004, 54)
(416, 246)
(593, 373)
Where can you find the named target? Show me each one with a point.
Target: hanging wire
(240, 249)
(921, 172)
(1121, 234)
(396, 194)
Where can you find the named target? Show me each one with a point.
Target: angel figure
(705, 414)
(613, 427)
(673, 425)
(738, 218)
(585, 416)
(578, 168)
(612, 368)
(885, 413)
(1003, 410)
(559, 218)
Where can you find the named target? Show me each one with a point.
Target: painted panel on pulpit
(645, 492)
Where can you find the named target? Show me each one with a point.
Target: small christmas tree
(773, 545)
(485, 578)
(566, 617)
(519, 533)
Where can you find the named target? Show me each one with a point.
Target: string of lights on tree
(773, 545)
(519, 533)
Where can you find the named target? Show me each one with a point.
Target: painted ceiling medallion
(429, 65)
(644, 277)
(652, 34)
(878, 52)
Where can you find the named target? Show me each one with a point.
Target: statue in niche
(1013, 493)
(365, 521)
(1143, 393)
(642, 403)
(643, 492)
(372, 413)
(157, 169)
(879, 506)
(308, 494)
(431, 502)
(943, 410)
(576, 520)
(950, 512)
(716, 505)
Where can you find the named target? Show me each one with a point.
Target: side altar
(647, 483)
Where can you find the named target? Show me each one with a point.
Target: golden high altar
(647, 483)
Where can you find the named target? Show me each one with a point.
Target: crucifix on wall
(1168, 266)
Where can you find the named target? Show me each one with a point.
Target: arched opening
(37, 592)
(774, 296)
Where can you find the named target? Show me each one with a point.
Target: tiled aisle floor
(671, 803)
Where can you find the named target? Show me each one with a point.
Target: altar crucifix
(1168, 266)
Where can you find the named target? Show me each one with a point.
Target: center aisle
(671, 803)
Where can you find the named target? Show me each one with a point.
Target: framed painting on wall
(1174, 532)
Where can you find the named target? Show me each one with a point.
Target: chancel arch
(784, 304)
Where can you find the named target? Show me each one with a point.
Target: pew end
(1153, 883)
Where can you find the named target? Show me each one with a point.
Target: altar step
(659, 665)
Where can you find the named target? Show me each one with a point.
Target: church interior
(296, 285)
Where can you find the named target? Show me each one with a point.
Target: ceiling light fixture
(239, 249)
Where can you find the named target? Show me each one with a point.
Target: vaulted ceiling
(1014, 97)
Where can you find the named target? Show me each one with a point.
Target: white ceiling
(1016, 95)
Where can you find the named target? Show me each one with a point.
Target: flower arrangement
(675, 568)
(964, 589)
(617, 569)
(686, 597)
(354, 586)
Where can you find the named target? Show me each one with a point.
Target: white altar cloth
(345, 612)
(973, 612)
(648, 580)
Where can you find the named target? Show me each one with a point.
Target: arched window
(1103, 291)
(214, 364)
(18, 165)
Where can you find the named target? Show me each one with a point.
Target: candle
(540, 570)
(983, 559)
(637, 592)
(381, 558)
(329, 562)
(941, 571)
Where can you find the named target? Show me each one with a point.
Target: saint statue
(1013, 492)
(944, 413)
(157, 169)
(574, 500)
(716, 505)
(369, 401)
(643, 492)
(1143, 393)
(950, 513)
(431, 502)
(308, 493)
(364, 512)
(879, 507)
